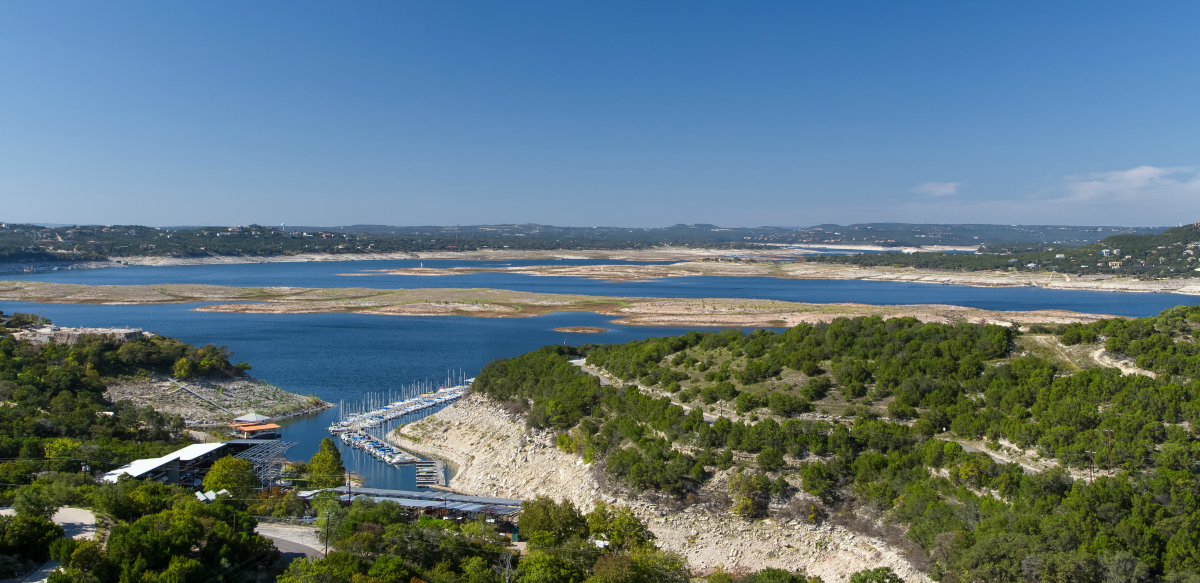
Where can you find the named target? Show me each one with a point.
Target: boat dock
(378, 449)
(431, 473)
(352, 429)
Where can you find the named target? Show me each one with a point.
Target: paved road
(301, 540)
(293, 550)
(77, 523)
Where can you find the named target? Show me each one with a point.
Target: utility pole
(1108, 464)
(327, 533)
(1092, 466)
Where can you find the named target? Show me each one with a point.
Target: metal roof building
(188, 466)
(430, 499)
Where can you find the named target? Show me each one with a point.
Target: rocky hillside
(211, 402)
(494, 454)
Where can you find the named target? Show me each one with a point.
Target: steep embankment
(207, 402)
(495, 455)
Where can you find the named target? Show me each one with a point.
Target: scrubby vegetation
(382, 542)
(56, 417)
(55, 421)
(974, 518)
(160, 534)
(1165, 344)
(1170, 253)
(24, 242)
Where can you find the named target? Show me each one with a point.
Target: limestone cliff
(494, 454)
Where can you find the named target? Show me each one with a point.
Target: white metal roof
(138, 468)
(194, 451)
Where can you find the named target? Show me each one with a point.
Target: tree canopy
(326, 466)
(233, 474)
(975, 516)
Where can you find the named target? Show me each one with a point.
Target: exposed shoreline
(497, 303)
(824, 271)
(776, 263)
(198, 402)
(496, 455)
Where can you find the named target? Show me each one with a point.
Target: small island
(581, 329)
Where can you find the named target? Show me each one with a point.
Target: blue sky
(599, 113)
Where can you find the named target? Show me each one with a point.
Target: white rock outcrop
(494, 454)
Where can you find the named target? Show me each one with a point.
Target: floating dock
(352, 430)
(431, 473)
(378, 449)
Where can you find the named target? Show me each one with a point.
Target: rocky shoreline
(499, 303)
(207, 403)
(494, 454)
(761, 263)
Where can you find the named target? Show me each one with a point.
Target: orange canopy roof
(255, 427)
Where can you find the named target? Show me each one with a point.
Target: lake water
(326, 274)
(344, 356)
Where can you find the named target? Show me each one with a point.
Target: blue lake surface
(326, 274)
(345, 356)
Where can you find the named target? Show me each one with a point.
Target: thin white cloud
(937, 188)
(1143, 196)
(1144, 184)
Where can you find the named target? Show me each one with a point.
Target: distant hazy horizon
(55, 225)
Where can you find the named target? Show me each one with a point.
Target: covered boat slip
(461, 504)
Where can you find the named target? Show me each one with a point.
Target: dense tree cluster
(57, 417)
(163, 534)
(28, 243)
(858, 351)
(976, 518)
(382, 542)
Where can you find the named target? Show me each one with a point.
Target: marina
(377, 448)
(353, 429)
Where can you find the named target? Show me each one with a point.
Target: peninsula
(497, 303)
